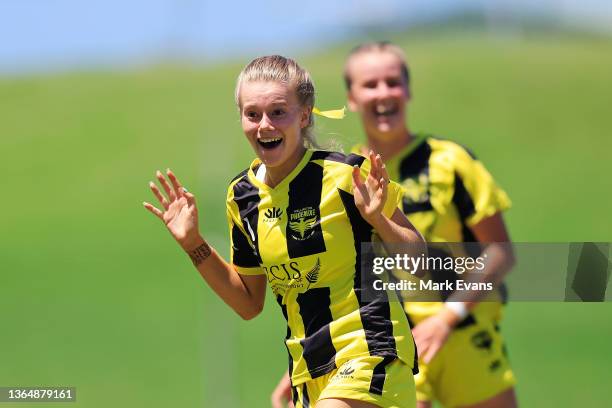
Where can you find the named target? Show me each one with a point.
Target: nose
(265, 123)
(384, 90)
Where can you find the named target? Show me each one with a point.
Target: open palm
(370, 195)
(180, 213)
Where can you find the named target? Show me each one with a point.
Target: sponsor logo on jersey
(302, 223)
(291, 275)
(272, 214)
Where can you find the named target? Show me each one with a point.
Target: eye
(278, 112)
(370, 84)
(393, 82)
(251, 114)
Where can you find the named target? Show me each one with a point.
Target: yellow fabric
(437, 168)
(354, 379)
(301, 236)
(471, 367)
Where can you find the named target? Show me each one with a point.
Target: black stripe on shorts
(379, 375)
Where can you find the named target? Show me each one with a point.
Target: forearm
(392, 232)
(224, 280)
(499, 261)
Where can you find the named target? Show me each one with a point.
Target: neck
(274, 175)
(389, 148)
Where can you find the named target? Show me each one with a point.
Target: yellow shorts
(471, 367)
(372, 379)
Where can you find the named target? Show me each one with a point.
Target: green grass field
(94, 293)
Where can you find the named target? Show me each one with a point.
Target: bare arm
(431, 334)
(244, 294)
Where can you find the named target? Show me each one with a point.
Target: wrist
(454, 312)
(377, 220)
(200, 253)
(191, 243)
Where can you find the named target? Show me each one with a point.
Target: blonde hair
(377, 46)
(276, 68)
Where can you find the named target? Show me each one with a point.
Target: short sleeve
(242, 251)
(476, 195)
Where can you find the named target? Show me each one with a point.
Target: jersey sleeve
(476, 195)
(242, 251)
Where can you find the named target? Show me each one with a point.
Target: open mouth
(269, 144)
(385, 110)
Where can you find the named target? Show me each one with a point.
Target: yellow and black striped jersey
(305, 235)
(447, 190)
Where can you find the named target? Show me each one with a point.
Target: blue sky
(43, 35)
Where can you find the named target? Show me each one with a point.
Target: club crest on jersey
(416, 190)
(273, 214)
(302, 223)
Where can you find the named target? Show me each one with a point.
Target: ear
(305, 119)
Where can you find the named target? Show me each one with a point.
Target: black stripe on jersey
(376, 314)
(319, 352)
(462, 199)
(244, 254)
(294, 396)
(303, 232)
(246, 196)
(305, 399)
(416, 162)
(279, 300)
(411, 166)
(378, 376)
(351, 159)
(411, 208)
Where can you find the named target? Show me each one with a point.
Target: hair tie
(330, 114)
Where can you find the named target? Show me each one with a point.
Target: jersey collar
(263, 186)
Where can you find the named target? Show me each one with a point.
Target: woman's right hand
(180, 214)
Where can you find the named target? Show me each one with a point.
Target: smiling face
(272, 120)
(379, 93)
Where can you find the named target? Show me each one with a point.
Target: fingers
(190, 197)
(178, 189)
(165, 185)
(153, 210)
(357, 176)
(160, 197)
(431, 352)
(374, 171)
(383, 173)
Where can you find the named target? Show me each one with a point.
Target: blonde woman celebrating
(297, 218)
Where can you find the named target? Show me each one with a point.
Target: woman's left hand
(431, 334)
(371, 194)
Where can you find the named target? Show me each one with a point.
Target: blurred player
(449, 197)
(297, 218)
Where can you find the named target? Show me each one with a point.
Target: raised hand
(180, 214)
(370, 195)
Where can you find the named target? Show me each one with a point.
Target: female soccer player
(449, 197)
(297, 219)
